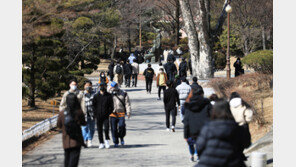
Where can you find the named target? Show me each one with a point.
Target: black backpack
(118, 69)
(149, 73)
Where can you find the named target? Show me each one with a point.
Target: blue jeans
(118, 129)
(192, 145)
(88, 130)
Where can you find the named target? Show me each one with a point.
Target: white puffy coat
(241, 114)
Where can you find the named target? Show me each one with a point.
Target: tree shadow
(42, 160)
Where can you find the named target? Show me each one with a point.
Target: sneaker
(115, 145)
(173, 129)
(122, 142)
(159, 98)
(192, 159)
(107, 145)
(168, 129)
(101, 146)
(89, 143)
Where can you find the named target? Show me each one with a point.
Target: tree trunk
(177, 22)
(192, 36)
(205, 50)
(114, 47)
(129, 39)
(263, 38)
(32, 85)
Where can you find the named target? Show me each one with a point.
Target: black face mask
(89, 88)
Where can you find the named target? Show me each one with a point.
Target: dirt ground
(43, 110)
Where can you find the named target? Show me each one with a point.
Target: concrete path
(147, 141)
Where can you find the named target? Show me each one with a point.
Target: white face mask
(103, 75)
(73, 87)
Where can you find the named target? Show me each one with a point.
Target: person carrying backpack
(118, 71)
(149, 74)
(103, 107)
(121, 107)
(111, 71)
(127, 70)
(183, 68)
(70, 121)
(170, 69)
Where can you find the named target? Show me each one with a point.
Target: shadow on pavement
(270, 161)
(140, 145)
(42, 160)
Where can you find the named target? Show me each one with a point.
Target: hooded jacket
(135, 67)
(241, 114)
(220, 144)
(197, 112)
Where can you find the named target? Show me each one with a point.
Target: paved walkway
(147, 141)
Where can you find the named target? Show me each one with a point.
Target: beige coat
(63, 104)
(135, 67)
(118, 107)
(241, 114)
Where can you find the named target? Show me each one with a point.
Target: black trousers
(182, 74)
(100, 123)
(149, 85)
(72, 156)
(134, 79)
(159, 90)
(111, 77)
(127, 80)
(172, 112)
(171, 76)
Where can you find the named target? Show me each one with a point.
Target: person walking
(161, 80)
(121, 107)
(127, 70)
(221, 141)
(240, 110)
(197, 113)
(73, 89)
(103, 107)
(72, 135)
(183, 90)
(183, 68)
(238, 67)
(213, 98)
(170, 99)
(118, 71)
(190, 66)
(149, 74)
(87, 108)
(194, 82)
(135, 72)
(131, 58)
(111, 71)
(170, 69)
(103, 78)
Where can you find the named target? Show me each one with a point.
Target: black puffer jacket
(197, 112)
(221, 144)
(170, 68)
(127, 69)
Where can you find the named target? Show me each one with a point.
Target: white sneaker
(173, 128)
(101, 146)
(107, 145)
(89, 143)
(168, 129)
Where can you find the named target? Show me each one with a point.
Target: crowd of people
(216, 130)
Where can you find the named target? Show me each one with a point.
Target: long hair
(221, 110)
(72, 103)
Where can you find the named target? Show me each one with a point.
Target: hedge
(261, 61)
